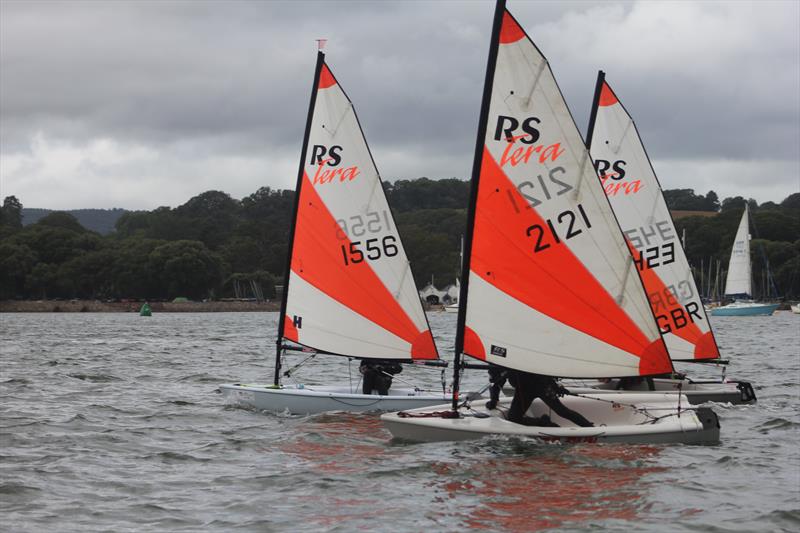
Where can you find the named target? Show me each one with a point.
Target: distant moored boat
(738, 282)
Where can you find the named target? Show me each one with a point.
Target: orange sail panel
(320, 249)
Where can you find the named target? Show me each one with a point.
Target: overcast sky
(143, 104)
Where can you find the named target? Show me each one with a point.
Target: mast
(702, 276)
(491, 63)
(461, 255)
(287, 269)
(598, 88)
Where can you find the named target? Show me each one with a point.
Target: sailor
(378, 375)
(497, 377)
(528, 387)
(631, 383)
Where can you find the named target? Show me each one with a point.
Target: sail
(550, 286)
(738, 281)
(350, 288)
(632, 188)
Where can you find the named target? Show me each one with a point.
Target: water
(110, 422)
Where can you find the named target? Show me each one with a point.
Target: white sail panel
(739, 275)
(635, 194)
(565, 351)
(338, 335)
(544, 234)
(346, 244)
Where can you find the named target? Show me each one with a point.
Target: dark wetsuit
(378, 375)
(528, 387)
(632, 383)
(497, 377)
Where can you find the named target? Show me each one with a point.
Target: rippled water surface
(110, 422)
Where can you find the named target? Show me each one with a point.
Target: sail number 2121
(562, 227)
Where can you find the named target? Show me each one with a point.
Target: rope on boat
(289, 372)
(643, 410)
(416, 388)
(393, 377)
(451, 414)
(350, 374)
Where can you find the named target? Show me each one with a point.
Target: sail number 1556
(374, 248)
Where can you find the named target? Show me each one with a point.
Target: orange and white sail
(550, 286)
(350, 288)
(635, 194)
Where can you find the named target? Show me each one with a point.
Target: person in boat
(377, 375)
(528, 387)
(635, 382)
(497, 377)
(632, 383)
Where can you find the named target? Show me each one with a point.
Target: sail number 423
(655, 256)
(646, 239)
(373, 249)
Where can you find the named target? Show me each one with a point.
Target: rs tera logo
(326, 175)
(611, 179)
(514, 154)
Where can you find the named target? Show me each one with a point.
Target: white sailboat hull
(451, 308)
(697, 392)
(614, 422)
(311, 399)
(744, 309)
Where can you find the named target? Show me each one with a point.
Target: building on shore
(433, 296)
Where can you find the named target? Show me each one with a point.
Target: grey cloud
(196, 82)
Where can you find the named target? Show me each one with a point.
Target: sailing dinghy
(635, 194)
(349, 289)
(739, 283)
(548, 284)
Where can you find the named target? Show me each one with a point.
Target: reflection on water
(339, 442)
(513, 484)
(534, 487)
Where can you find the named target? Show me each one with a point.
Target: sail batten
(545, 284)
(348, 291)
(636, 197)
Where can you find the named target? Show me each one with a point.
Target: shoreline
(95, 306)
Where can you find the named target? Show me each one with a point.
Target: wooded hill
(215, 246)
(102, 221)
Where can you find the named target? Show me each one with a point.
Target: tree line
(215, 246)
